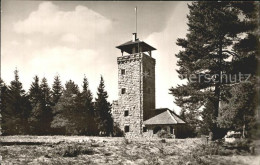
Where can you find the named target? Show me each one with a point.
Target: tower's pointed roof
(128, 46)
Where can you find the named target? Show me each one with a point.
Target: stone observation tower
(136, 86)
(134, 111)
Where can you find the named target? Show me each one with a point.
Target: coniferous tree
(35, 92)
(103, 111)
(86, 100)
(46, 105)
(3, 93)
(16, 113)
(66, 112)
(56, 90)
(213, 29)
(238, 113)
(35, 98)
(41, 115)
(192, 120)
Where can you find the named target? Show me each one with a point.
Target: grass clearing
(113, 150)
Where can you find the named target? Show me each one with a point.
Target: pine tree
(66, 111)
(17, 111)
(238, 113)
(56, 90)
(46, 92)
(3, 93)
(41, 115)
(72, 89)
(213, 29)
(192, 122)
(103, 110)
(46, 106)
(35, 99)
(35, 92)
(86, 99)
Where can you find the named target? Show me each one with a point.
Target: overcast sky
(73, 38)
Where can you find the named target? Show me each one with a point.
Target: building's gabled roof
(166, 117)
(127, 47)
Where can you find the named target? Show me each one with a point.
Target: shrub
(163, 141)
(74, 150)
(71, 151)
(241, 144)
(163, 134)
(117, 132)
(126, 141)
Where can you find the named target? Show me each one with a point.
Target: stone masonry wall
(137, 98)
(148, 86)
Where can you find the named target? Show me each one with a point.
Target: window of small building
(123, 91)
(144, 129)
(171, 129)
(126, 113)
(122, 71)
(127, 128)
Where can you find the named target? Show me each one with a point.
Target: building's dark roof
(165, 117)
(127, 47)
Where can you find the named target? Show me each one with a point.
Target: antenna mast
(136, 20)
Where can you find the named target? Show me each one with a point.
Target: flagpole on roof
(136, 20)
(136, 26)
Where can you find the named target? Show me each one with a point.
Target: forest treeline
(55, 110)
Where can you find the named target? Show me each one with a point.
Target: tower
(136, 86)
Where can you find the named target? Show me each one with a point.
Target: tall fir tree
(214, 28)
(46, 92)
(46, 105)
(41, 115)
(17, 111)
(103, 111)
(86, 99)
(35, 92)
(35, 99)
(56, 90)
(66, 111)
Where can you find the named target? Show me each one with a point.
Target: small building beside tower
(134, 111)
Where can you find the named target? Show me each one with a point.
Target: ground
(111, 150)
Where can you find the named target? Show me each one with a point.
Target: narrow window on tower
(126, 113)
(144, 129)
(127, 128)
(123, 91)
(122, 71)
